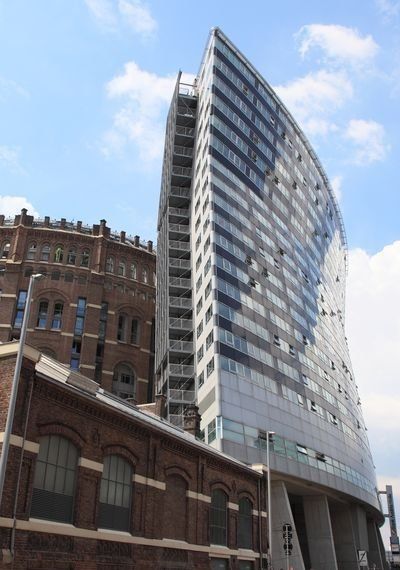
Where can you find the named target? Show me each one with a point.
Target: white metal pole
(14, 386)
(269, 511)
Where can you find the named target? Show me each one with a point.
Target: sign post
(287, 542)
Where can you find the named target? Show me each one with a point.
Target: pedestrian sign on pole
(362, 559)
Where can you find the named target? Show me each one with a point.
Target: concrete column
(282, 514)
(360, 527)
(374, 553)
(319, 533)
(343, 536)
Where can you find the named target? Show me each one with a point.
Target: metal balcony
(182, 396)
(179, 245)
(181, 346)
(180, 282)
(181, 370)
(180, 302)
(179, 263)
(181, 324)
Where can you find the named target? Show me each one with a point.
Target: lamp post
(14, 385)
(270, 434)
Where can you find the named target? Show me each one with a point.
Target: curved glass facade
(265, 285)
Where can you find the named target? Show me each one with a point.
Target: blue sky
(84, 90)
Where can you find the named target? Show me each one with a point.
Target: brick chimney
(191, 420)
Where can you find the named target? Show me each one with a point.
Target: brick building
(106, 485)
(94, 310)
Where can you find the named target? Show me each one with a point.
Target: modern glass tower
(250, 312)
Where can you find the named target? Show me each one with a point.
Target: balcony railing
(181, 370)
(181, 228)
(181, 324)
(178, 212)
(180, 192)
(182, 171)
(187, 396)
(181, 345)
(183, 245)
(187, 131)
(183, 302)
(179, 263)
(180, 282)
(183, 150)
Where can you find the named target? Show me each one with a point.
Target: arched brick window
(32, 249)
(175, 507)
(5, 250)
(219, 517)
(115, 494)
(41, 322)
(124, 381)
(245, 524)
(54, 482)
(59, 254)
(45, 252)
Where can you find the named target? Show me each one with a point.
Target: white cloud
(103, 11)
(338, 43)
(145, 97)
(388, 8)
(9, 158)
(373, 327)
(134, 14)
(9, 87)
(368, 138)
(336, 184)
(12, 205)
(312, 99)
(137, 17)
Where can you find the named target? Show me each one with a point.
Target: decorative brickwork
(94, 310)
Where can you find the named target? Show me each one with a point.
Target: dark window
(115, 494)
(219, 564)
(135, 331)
(85, 258)
(5, 250)
(245, 524)
(42, 314)
(218, 517)
(54, 482)
(121, 332)
(58, 254)
(31, 253)
(20, 308)
(45, 253)
(71, 259)
(57, 315)
(124, 384)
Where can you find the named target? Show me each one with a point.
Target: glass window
(121, 331)
(175, 501)
(218, 517)
(133, 271)
(57, 315)
(31, 253)
(5, 250)
(115, 494)
(58, 254)
(110, 265)
(71, 258)
(145, 275)
(124, 381)
(219, 564)
(122, 268)
(245, 524)
(20, 308)
(54, 481)
(45, 252)
(135, 331)
(85, 258)
(69, 277)
(42, 314)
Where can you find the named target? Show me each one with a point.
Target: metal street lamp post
(270, 434)
(15, 383)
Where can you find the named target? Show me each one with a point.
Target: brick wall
(171, 492)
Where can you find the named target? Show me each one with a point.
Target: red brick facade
(102, 269)
(174, 478)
